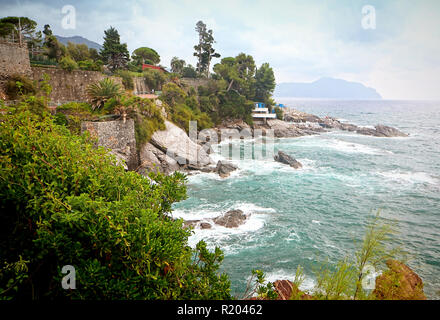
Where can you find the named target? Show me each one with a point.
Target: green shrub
(67, 63)
(18, 85)
(103, 91)
(127, 79)
(72, 113)
(65, 202)
(154, 79)
(279, 112)
(90, 65)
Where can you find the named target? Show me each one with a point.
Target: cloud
(302, 40)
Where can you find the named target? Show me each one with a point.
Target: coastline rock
(399, 283)
(198, 224)
(381, 131)
(292, 115)
(153, 159)
(283, 129)
(175, 143)
(224, 168)
(231, 219)
(286, 289)
(286, 159)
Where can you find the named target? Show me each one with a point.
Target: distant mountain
(79, 40)
(326, 88)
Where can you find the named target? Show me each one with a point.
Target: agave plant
(102, 91)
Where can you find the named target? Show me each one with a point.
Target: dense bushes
(65, 202)
(67, 63)
(183, 108)
(147, 116)
(19, 85)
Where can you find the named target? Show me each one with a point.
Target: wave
(218, 234)
(408, 177)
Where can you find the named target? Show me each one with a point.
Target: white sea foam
(351, 147)
(408, 177)
(216, 234)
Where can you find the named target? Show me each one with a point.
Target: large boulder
(198, 224)
(231, 219)
(287, 290)
(381, 131)
(283, 129)
(286, 159)
(224, 168)
(175, 143)
(153, 159)
(399, 283)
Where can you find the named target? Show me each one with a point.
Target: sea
(318, 214)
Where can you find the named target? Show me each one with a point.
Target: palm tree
(102, 91)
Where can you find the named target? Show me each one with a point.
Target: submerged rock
(381, 131)
(224, 168)
(197, 224)
(399, 283)
(231, 219)
(286, 159)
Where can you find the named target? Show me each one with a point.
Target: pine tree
(204, 50)
(114, 53)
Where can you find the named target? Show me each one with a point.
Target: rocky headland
(173, 150)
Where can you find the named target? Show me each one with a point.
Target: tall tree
(145, 55)
(204, 50)
(264, 83)
(53, 48)
(78, 52)
(114, 53)
(177, 65)
(22, 27)
(239, 72)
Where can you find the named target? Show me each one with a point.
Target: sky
(303, 40)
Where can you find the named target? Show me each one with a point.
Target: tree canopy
(114, 53)
(17, 27)
(177, 65)
(204, 50)
(145, 55)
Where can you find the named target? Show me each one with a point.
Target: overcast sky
(302, 40)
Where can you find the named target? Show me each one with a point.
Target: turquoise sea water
(302, 217)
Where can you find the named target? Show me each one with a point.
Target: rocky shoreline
(173, 150)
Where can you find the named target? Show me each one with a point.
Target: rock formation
(287, 290)
(381, 131)
(231, 219)
(378, 131)
(286, 159)
(224, 168)
(399, 283)
(175, 143)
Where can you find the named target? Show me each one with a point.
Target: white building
(260, 113)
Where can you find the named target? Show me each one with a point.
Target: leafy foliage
(114, 53)
(65, 202)
(204, 50)
(18, 85)
(102, 91)
(68, 64)
(154, 79)
(183, 108)
(145, 55)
